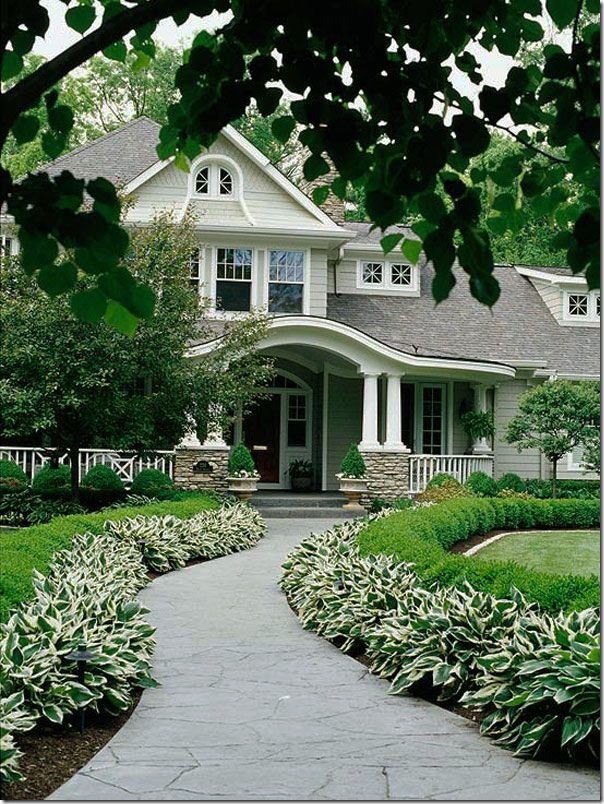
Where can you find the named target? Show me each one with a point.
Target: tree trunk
(74, 461)
(554, 477)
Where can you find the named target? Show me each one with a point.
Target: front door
(261, 430)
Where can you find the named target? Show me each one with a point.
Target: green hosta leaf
(57, 279)
(88, 305)
(80, 18)
(25, 128)
(53, 713)
(79, 694)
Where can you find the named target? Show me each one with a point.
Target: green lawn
(554, 551)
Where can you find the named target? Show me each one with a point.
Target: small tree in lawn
(555, 418)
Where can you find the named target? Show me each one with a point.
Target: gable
(264, 201)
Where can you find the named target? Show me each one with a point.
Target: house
(363, 353)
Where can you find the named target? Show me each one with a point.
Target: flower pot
(301, 483)
(353, 488)
(242, 487)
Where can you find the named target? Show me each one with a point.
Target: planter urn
(242, 487)
(353, 488)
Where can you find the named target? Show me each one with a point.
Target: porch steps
(281, 505)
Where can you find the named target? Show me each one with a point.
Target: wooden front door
(261, 435)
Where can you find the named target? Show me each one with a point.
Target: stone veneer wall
(387, 474)
(187, 458)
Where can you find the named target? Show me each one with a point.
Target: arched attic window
(202, 181)
(225, 182)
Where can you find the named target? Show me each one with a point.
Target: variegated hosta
(14, 716)
(168, 543)
(439, 635)
(541, 690)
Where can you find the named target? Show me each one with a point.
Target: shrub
(481, 484)
(52, 482)
(446, 490)
(27, 508)
(399, 504)
(101, 486)
(511, 481)
(566, 489)
(353, 464)
(241, 463)
(152, 483)
(439, 478)
(12, 477)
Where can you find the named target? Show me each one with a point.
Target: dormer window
(202, 181)
(401, 275)
(582, 306)
(225, 185)
(372, 273)
(383, 275)
(577, 304)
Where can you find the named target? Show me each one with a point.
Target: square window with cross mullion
(578, 304)
(372, 273)
(233, 279)
(285, 281)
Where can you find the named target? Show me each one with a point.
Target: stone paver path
(253, 707)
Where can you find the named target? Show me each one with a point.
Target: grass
(26, 549)
(556, 552)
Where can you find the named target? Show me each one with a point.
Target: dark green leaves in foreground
(95, 244)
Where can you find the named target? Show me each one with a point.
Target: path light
(338, 585)
(81, 656)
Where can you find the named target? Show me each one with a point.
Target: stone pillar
(481, 445)
(393, 414)
(370, 413)
(200, 467)
(387, 474)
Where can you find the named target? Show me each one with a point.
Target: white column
(370, 412)
(481, 445)
(214, 436)
(393, 414)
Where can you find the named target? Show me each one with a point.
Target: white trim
(419, 418)
(364, 351)
(147, 174)
(325, 423)
(214, 312)
(305, 284)
(590, 317)
(551, 279)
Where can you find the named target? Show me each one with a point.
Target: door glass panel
(296, 420)
(432, 419)
(408, 415)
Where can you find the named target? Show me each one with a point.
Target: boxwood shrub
(52, 481)
(101, 486)
(153, 483)
(423, 536)
(481, 484)
(511, 481)
(12, 477)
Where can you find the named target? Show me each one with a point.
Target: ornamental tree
(556, 417)
(374, 93)
(75, 384)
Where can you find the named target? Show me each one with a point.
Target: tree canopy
(372, 90)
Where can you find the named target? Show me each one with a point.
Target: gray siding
(461, 442)
(318, 283)
(344, 421)
(507, 458)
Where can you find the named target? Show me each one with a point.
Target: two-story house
(363, 353)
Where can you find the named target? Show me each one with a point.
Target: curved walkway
(253, 707)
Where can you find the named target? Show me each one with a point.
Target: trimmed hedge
(32, 548)
(153, 483)
(52, 482)
(424, 535)
(12, 477)
(482, 484)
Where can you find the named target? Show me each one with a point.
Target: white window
(202, 181)
(401, 275)
(372, 273)
(195, 269)
(225, 183)
(285, 281)
(296, 420)
(233, 279)
(8, 246)
(386, 275)
(582, 306)
(432, 418)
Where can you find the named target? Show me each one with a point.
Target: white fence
(126, 464)
(422, 468)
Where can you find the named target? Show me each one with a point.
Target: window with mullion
(372, 273)
(233, 279)
(195, 269)
(285, 281)
(433, 409)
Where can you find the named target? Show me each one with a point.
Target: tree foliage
(374, 94)
(80, 385)
(556, 417)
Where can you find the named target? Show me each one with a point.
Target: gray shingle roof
(519, 327)
(365, 237)
(119, 156)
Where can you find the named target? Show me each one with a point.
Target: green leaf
(25, 128)
(412, 249)
(12, 64)
(88, 305)
(120, 319)
(442, 284)
(562, 11)
(116, 52)
(388, 242)
(80, 18)
(432, 207)
(53, 713)
(472, 135)
(60, 118)
(37, 249)
(57, 279)
(314, 167)
(319, 194)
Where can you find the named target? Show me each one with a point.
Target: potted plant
(300, 474)
(352, 477)
(479, 426)
(243, 476)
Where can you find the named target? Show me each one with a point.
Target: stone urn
(353, 488)
(242, 487)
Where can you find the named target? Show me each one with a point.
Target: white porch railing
(422, 468)
(126, 464)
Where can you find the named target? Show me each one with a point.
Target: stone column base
(201, 468)
(387, 474)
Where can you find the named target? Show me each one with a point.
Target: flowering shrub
(89, 595)
(534, 676)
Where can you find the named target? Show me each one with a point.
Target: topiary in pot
(153, 483)
(12, 477)
(482, 484)
(101, 486)
(352, 477)
(53, 482)
(243, 475)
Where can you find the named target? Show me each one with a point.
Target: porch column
(370, 412)
(481, 445)
(393, 414)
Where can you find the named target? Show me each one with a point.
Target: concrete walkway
(253, 707)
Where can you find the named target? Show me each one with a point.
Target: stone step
(273, 512)
(275, 500)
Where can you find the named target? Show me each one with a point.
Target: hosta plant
(14, 716)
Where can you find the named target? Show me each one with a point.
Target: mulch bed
(52, 754)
